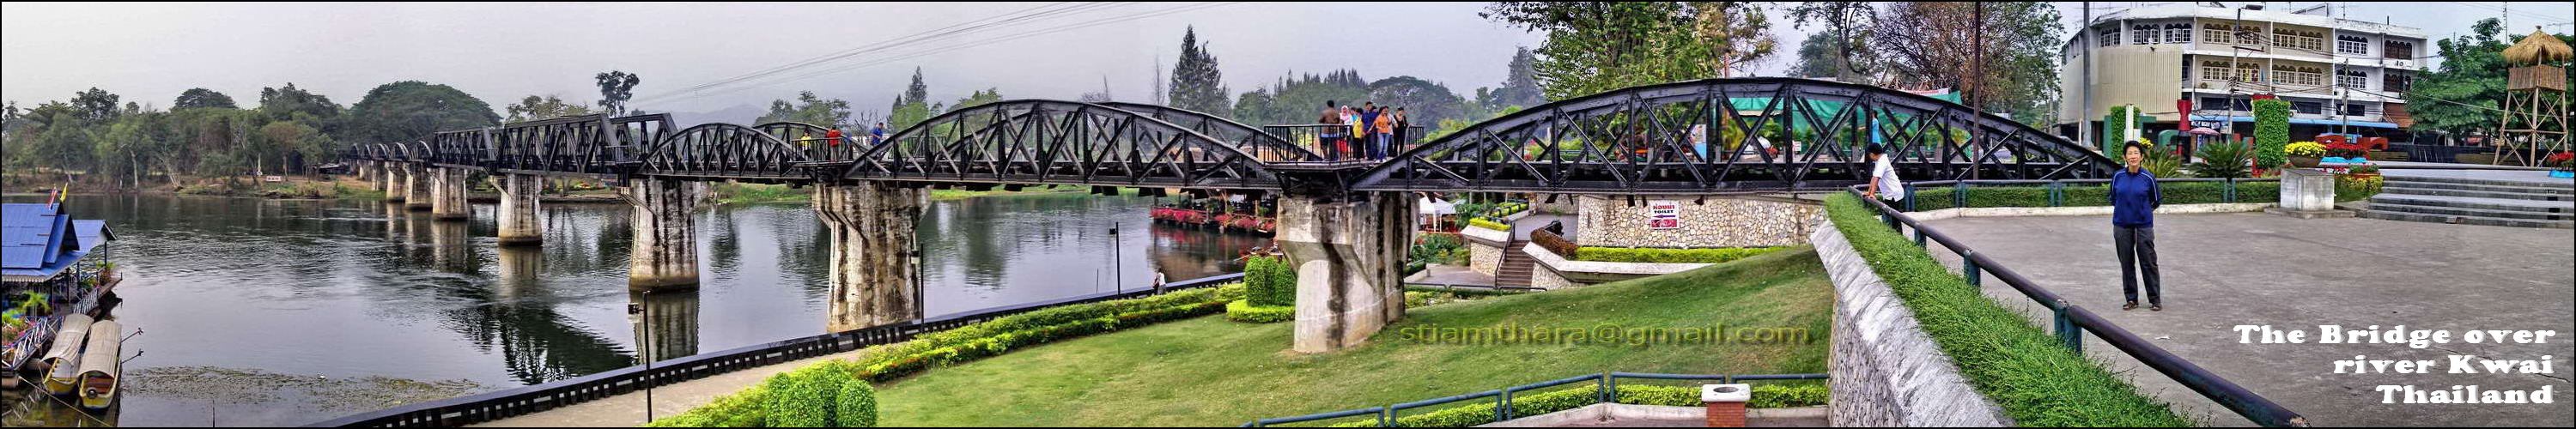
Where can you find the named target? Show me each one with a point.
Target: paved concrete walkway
(1456, 275)
(2223, 270)
(628, 410)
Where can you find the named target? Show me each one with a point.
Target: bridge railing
(490, 406)
(1310, 136)
(2071, 321)
(1605, 390)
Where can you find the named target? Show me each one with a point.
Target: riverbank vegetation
(2023, 369)
(754, 193)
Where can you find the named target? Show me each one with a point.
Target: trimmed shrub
(1693, 256)
(1269, 282)
(1244, 311)
(2271, 132)
(1488, 224)
(805, 397)
(857, 406)
(2025, 370)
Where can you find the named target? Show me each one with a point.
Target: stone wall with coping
(1717, 222)
(1885, 371)
(1485, 248)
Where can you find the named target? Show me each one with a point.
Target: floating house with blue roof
(51, 267)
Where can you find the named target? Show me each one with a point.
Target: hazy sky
(501, 52)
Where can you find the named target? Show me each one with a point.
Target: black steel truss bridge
(1715, 136)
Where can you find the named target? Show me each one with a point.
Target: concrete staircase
(1516, 266)
(2474, 202)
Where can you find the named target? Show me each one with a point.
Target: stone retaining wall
(1716, 222)
(1885, 371)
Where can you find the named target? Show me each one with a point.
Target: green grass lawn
(1208, 371)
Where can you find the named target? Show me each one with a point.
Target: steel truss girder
(1641, 140)
(1060, 142)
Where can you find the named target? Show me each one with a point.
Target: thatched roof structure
(2538, 48)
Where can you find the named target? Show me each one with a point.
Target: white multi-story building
(2339, 75)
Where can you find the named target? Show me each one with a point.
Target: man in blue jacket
(2134, 198)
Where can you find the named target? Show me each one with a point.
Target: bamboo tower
(2535, 122)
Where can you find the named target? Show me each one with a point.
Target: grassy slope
(1208, 371)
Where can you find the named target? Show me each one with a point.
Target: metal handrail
(2071, 321)
(489, 406)
(1606, 391)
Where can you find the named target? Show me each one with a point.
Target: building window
(2213, 103)
(2144, 34)
(2290, 75)
(2398, 50)
(2397, 82)
(2352, 45)
(2352, 110)
(2110, 36)
(2217, 33)
(2308, 107)
(2298, 39)
(2354, 79)
(2178, 33)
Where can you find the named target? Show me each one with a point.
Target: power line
(968, 27)
(972, 44)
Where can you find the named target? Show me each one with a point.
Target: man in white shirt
(1882, 174)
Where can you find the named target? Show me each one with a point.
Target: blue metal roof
(27, 234)
(39, 240)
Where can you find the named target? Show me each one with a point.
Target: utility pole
(2084, 85)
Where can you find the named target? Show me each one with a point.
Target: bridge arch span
(723, 151)
(1261, 144)
(1055, 142)
(1729, 136)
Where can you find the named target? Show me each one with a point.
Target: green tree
(810, 109)
(413, 109)
(548, 107)
(615, 88)
(978, 98)
(1520, 87)
(1735, 35)
(289, 144)
(2463, 93)
(95, 106)
(201, 97)
(1300, 99)
(1940, 48)
(1848, 22)
(1426, 103)
(1595, 47)
(1197, 84)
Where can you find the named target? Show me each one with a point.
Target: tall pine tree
(1521, 88)
(1196, 83)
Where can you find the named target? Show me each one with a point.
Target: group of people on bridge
(1376, 129)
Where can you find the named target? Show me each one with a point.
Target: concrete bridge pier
(447, 194)
(1349, 257)
(416, 187)
(392, 181)
(874, 264)
(665, 253)
(517, 216)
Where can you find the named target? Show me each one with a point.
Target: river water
(286, 312)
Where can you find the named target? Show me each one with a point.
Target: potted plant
(2304, 154)
(2346, 152)
(2562, 165)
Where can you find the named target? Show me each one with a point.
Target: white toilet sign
(1662, 214)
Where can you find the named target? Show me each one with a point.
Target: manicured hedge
(820, 395)
(2023, 369)
(1244, 311)
(1939, 197)
(837, 391)
(1525, 404)
(1488, 224)
(1690, 256)
(1269, 282)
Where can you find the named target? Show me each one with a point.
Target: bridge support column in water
(665, 249)
(874, 264)
(1349, 257)
(416, 187)
(520, 225)
(393, 182)
(447, 194)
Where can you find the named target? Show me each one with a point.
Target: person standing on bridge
(877, 134)
(1331, 137)
(1351, 118)
(1403, 127)
(2134, 198)
(1385, 125)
